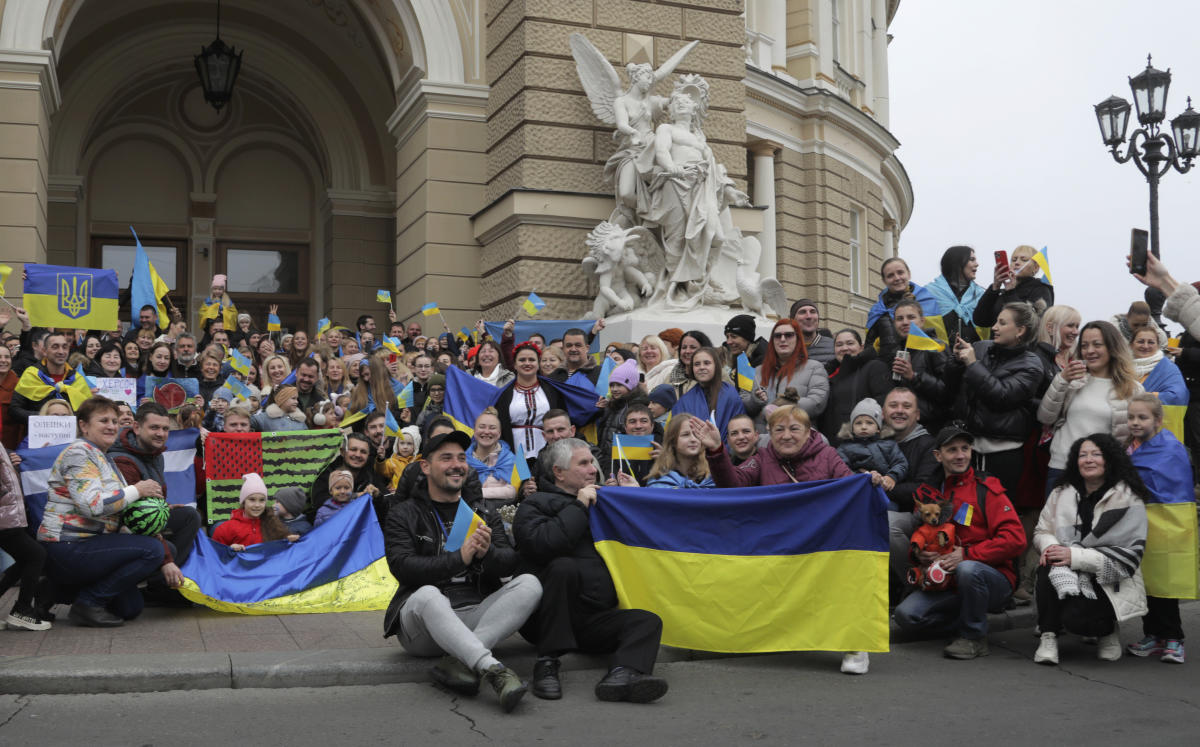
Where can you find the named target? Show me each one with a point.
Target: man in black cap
(740, 337)
(451, 599)
(989, 540)
(818, 341)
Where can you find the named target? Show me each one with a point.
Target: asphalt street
(911, 696)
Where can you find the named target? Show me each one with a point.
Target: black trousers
(29, 556)
(183, 524)
(1005, 466)
(563, 622)
(1162, 619)
(1077, 614)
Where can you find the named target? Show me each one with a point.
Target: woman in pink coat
(797, 453)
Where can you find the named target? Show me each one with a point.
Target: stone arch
(278, 141)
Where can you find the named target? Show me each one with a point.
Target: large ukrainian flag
(1171, 563)
(337, 567)
(780, 568)
(71, 297)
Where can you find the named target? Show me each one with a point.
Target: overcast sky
(992, 103)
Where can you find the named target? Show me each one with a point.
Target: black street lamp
(1150, 97)
(218, 65)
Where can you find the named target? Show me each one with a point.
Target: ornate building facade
(442, 148)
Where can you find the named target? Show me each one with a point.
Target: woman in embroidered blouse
(525, 401)
(81, 528)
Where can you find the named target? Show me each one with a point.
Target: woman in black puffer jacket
(848, 382)
(999, 383)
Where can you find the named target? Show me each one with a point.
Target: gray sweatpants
(429, 626)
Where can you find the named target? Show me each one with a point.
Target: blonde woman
(654, 361)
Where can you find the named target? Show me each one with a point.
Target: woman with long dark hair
(712, 398)
(681, 375)
(525, 401)
(957, 293)
(1091, 537)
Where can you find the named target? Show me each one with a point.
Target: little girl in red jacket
(252, 523)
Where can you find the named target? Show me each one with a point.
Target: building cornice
(422, 99)
(44, 61)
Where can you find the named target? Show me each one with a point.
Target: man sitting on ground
(578, 611)
(452, 601)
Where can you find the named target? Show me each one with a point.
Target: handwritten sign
(119, 390)
(48, 430)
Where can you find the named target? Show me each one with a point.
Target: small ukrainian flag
(745, 373)
(384, 296)
(533, 304)
(964, 515)
(5, 271)
(627, 448)
(390, 427)
(918, 340)
(465, 522)
(1042, 260)
(430, 309)
(520, 471)
(323, 326)
(273, 323)
(405, 397)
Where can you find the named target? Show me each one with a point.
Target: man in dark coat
(578, 611)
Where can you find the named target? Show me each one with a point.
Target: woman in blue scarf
(957, 293)
(711, 398)
(897, 281)
(492, 459)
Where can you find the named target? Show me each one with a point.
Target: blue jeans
(981, 589)
(1052, 476)
(108, 567)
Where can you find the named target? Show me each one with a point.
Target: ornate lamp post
(1154, 152)
(218, 65)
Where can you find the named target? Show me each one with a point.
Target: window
(167, 256)
(856, 256)
(835, 14)
(260, 275)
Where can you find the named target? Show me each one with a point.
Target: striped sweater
(86, 496)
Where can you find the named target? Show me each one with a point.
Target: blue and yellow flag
(430, 309)
(466, 335)
(5, 271)
(146, 286)
(406, 396)
(337, 567)
(35, 385)
(782, 568)
(520, 471)
(606, 369)
(354, 417)
(384, 296)
(627, 448)
(1042, 260)
(466, 397)
(239, 389)
(964, 515)
(323, 326)
(533, 304)
(273, 323)
(918, 340)
(393, 345)
(465, 522)
(1170, 565)
(239, 362)
(745, 373)
(71, 297)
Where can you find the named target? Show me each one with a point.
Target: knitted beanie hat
(252, 484)
(341, 476)
(283, 394)
(870, 408)
(625, 374)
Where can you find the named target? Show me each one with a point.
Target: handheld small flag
(1042, 260)
(146, 286)
(465, 523)
(239, 389)
(627, 448)
(520, 471)
(533, 304)
(430, 309)
(406, 396)
(71, 297)
(606, 369)
(239, 362)
(273, 323)
(5, 271)
(392, 344)
(353, 418)
(384, 296)
(323, 326)
(745, 373)
(464, 334)
(918, 340)
(390, 426)
(964, 515)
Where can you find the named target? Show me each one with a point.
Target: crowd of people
(1039, 439)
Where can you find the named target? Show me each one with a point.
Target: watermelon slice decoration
(170, 396)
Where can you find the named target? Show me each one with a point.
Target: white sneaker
(1047, 650)
(855, 662)
(1109, 646)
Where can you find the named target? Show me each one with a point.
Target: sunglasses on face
(783, 335)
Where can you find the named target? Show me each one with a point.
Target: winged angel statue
(665, 179)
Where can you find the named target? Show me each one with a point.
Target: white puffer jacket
(1184, 307)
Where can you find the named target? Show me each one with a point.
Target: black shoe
(624, 683)
(93, 617)
(546, 684)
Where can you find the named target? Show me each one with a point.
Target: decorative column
(776, 20)
(764, 196)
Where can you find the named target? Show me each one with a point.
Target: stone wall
(542, 134)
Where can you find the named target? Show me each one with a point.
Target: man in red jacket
(991, 540)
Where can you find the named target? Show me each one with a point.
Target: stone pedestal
(634, 325)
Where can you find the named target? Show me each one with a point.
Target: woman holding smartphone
(1013, 281)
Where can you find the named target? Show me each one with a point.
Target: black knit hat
(741, 325)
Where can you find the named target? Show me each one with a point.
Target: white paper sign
(119, 390)
(50, 430)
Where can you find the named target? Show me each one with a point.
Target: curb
(138, 673)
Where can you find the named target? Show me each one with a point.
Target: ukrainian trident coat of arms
(75, 294)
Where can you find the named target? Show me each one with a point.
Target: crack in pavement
(1079, 675)
(27, 700)
(454, 709)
